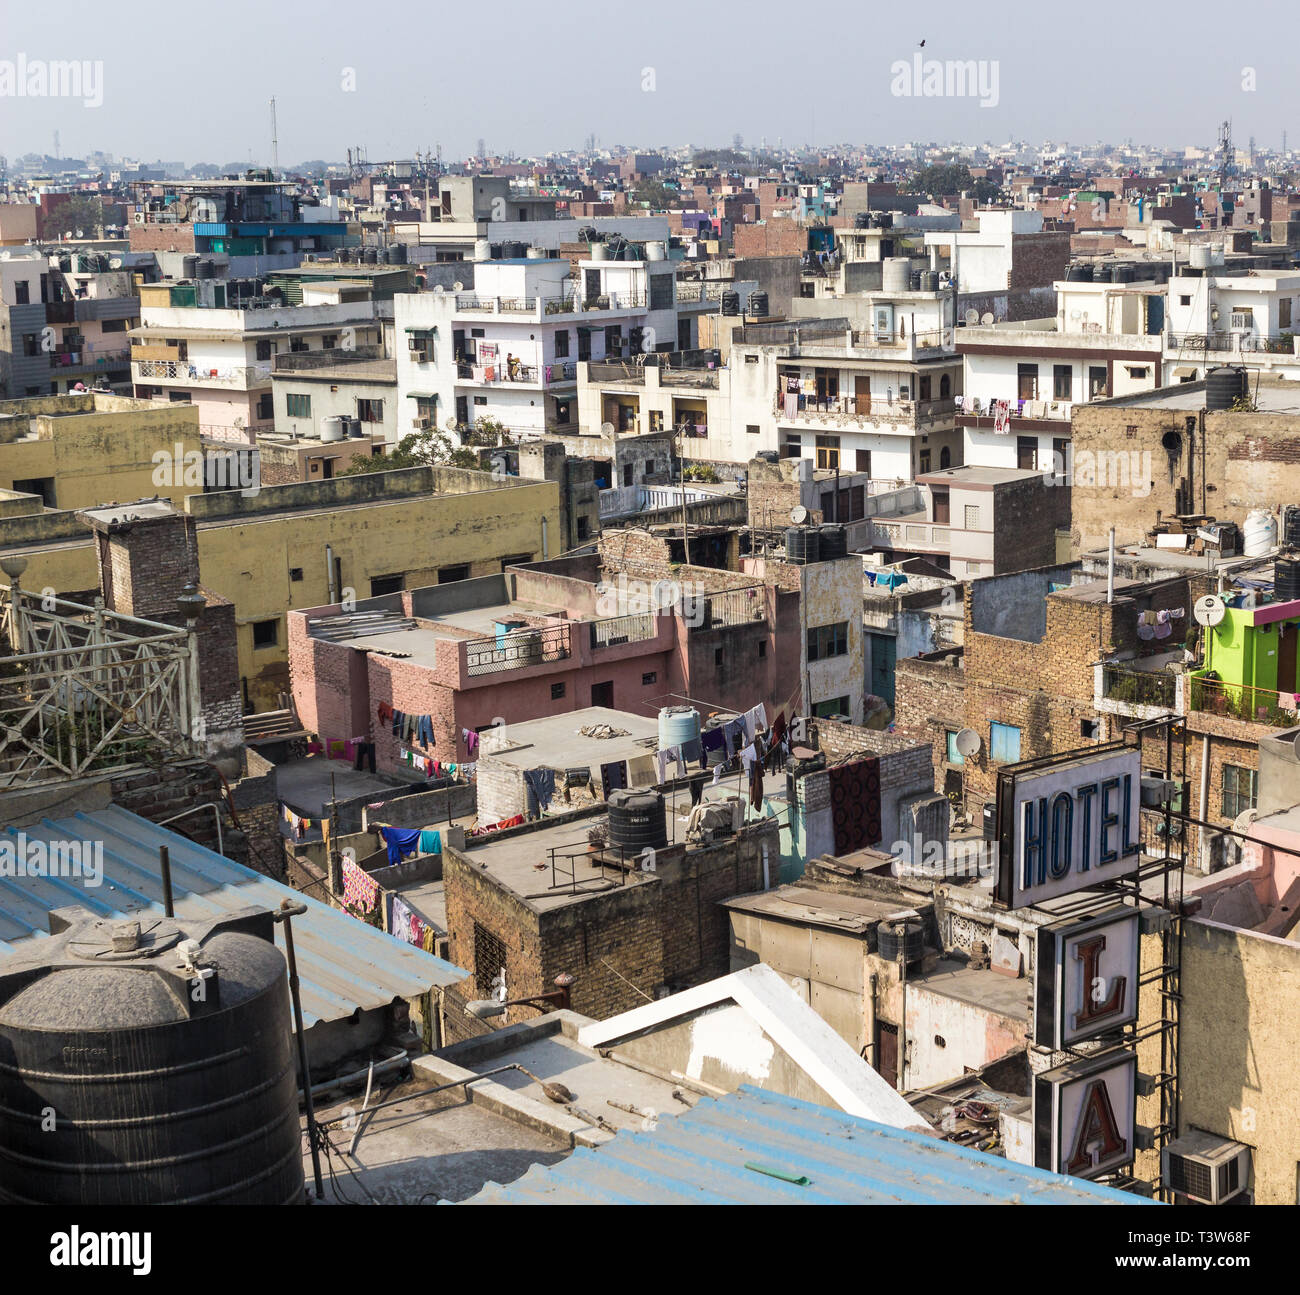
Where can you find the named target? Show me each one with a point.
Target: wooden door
(886, 1052)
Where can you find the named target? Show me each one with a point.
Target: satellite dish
(988, 317)
(458, 286)
(437, 287)
(972, 317)
(1208, 610)
(798, 514)
(1074, 314)
(1296, 745)
(967, 742)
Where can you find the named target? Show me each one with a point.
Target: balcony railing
(521, 374)
(728, 607)
(934, 339)
(638, 627)
(852, 410)
(1238, 341)
(517, 650)
(242, 376)
(1240, 701)
(1140, 687)
(86, 690)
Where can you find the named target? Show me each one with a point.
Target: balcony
(523, 375)
(1245, 342)
(517, 650)
(1123, 689)
(90, 357)
(639, 627)
(850, 411)
(1240, 702)
(240, 377)
(746, 606)
(921, 535)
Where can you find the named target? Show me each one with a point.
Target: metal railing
(1238, 341)
(1240, 701)
(1139, 687)
(517, 650)
(244, 375)
(856, 410)
(87, 690)
(927, 340)
(728, 607)
(638, 627)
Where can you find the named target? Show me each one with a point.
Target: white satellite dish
(967, 742)
(972, 317)
(988, 317)
(1208, 610)
(798, 514)
(1074, 314)
(458, 286)
(437, 287)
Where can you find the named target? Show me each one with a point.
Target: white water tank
(1200, 256)
(333, 429)
(1259, 535)
(482, 249)
(537, 254)
(656, 251)
(895, 274)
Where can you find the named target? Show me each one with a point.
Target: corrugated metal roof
(700, 1158)
(343, 964)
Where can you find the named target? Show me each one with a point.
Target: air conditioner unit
(1242, 321)
(422, 424)
(139, 218)
(1205, 1167)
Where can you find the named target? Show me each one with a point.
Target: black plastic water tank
(833, 542)
(1223, 386)
(636, 820)
(1290, 531)
(1286, 578)
(802, 544)
(862, 220)
(730, 303)
(163, 1092)
(1079, 274)
(758, 304)
(909, 935)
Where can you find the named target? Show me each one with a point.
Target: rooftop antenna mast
(275, 144)
(1226, 155)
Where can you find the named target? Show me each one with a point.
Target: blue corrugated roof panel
(701, 1158)
(343, 964)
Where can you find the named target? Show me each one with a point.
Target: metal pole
(165, 865)
(289, 909)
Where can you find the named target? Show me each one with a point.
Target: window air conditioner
(1242, 321)
(1206, 1167)
(422, 424)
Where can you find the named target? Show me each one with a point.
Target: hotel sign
(1066, 823)
(1085, 1114)
(1086, 978)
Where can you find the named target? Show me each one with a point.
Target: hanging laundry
(314, 748)
(470, 738)
(693, 752)
(401, 924)
(735, 735)
(360, 889)
(717, 774)
(430, 841)
(426, 730)
(385, 713)
(749, 757)
(401, 841)
(713, 740)
(613, 777)
(755, 720)
(756, 785)
(541, 784)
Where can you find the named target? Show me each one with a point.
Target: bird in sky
(923, 44)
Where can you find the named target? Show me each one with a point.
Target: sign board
(1086, 978)
(1066, 823)
(1085, 1114)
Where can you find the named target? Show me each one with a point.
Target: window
(1136, 370)
(656, 420)
(925, 460)
(480, 400)
(266, 634)
(1027, 381)
(1090, 728)
(945, 457)
(613, 340)
(297, 406)
(563, 412)
(828, 452)
(298, 345)
(661, 291)
(265, 349)
(1184, 301)
(557, 691)
(831, 706)
(584, 527)
(649, 678)
(1240, 789)
(113, 325)
(1004, 743)
(862, 461)
(31, 344)
(602, 694)
(562, 344)
(751, 429)
(762, 648)
(1027, 452)
(953, 755)
(381, 585)
(972, 517)
(1284, 312)
(329, 341)
(449, 575)
(489, 961)
(828, 641)
(1097, 381)
(22, 293)
(751, 359)
(717, 658)
(370, 411)
(1062, 381)
(295, 573)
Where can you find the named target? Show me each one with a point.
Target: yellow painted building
(80, 451)
(272, 551)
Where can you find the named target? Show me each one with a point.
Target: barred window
(489, 960)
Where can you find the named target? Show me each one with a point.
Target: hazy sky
(193, 82)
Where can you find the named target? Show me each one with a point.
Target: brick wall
(1038, 259)
(162, 238)
(781, 237)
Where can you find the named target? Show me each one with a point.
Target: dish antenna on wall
(798, 514)
(967, 742)
(988, 317)
(1209, 610)
(458, 286)
(972, 318)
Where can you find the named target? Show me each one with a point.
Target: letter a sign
(1084, 1115)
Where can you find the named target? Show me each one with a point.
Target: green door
(884, 650)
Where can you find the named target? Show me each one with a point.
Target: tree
(656, 195)
(81, 216)
(434, 448)
(942, 180)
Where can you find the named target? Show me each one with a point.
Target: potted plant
(596, 838)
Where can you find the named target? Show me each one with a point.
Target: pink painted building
(526, 645)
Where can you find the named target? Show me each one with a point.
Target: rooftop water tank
(536, 254)
(930, 281)
(333, 428)
(636, 821)
(482, 249)
(1199, 255)
(1224, 385)
(730, 303)
(909, 936)
(189, 267)
(656, 251)
(678, 724)
(758, 305)
(206, 269)
(802, 544)
(170, 1065)
(833, 543)
(1286, 578)
(719, 754)
(895, 274)
(1259, 535)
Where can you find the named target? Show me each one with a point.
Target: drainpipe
(1110, 570)
(767, 878)
(329, 574)
(1205, 791)
(546, 553)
